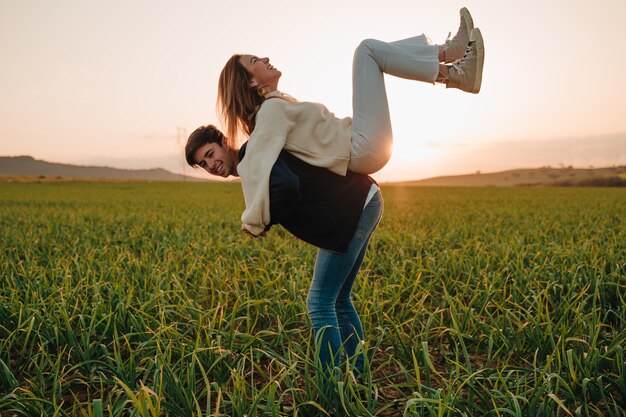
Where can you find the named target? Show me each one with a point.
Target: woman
(251, 104)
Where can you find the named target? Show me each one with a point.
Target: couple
(307, 170)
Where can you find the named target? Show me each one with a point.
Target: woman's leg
(371, 124)
(413, 59)
(334, 319)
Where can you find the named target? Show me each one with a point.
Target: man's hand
(246, 231)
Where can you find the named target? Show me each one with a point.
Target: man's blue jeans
(334, 319)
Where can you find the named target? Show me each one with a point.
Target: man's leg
(332, 314)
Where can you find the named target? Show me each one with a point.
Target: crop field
(146, 299)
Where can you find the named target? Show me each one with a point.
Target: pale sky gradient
(109, 82)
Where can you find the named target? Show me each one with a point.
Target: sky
(122, 83)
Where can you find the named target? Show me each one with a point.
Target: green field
(138, 299)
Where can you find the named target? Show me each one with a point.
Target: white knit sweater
(307, 130)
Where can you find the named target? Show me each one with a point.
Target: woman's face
(263, 74)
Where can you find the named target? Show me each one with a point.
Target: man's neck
(235, 159)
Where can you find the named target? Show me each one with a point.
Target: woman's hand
(246, 231)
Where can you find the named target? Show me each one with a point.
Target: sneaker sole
(475, 36)
(469, 22)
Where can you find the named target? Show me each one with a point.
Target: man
(335, 213)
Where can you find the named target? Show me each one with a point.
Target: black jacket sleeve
(284, 191)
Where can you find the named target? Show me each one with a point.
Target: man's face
(216, 159)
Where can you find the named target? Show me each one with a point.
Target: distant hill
(525, 177)
(27, 166)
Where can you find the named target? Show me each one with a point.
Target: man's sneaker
(467, 74)
(454, 49)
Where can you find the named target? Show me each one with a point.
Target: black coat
(315, 204)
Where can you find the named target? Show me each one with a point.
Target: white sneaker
(467, 73)
(454, 49)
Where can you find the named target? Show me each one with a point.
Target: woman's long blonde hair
(237, 102)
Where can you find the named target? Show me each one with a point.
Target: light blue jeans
(414, 59)
(335, 322)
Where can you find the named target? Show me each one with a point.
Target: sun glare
(414, 151)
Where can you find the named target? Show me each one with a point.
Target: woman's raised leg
(414, 59)
(371, 123)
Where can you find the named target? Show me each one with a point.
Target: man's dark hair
(200, 137)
